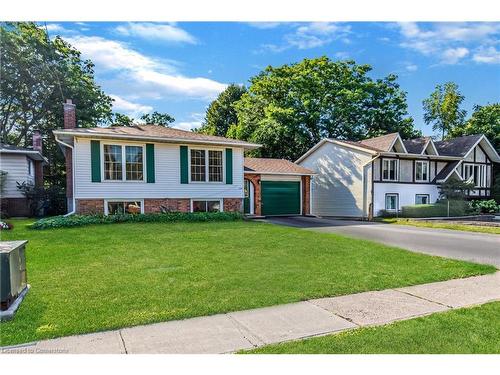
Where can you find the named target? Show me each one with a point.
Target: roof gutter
(249, 146)
(72, 212)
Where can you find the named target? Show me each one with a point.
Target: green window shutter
(95, 160)
(184, 165)
(229, 165)
(150, 163)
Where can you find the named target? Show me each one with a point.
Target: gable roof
(382, 143)
(446, 172)
(459, 146)
(29, 152)
(274, 166)
(154, 132)
(416, 145)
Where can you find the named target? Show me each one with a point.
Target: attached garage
(276, 187)
(280, 198)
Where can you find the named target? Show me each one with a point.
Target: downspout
(72, 212)
(371, 185)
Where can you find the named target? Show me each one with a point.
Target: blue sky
(179, 68)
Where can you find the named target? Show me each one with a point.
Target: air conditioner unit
(13, 283)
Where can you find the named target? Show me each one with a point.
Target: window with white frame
(421, 171)
(30, 167)
(119, 158)
(391, 202)
(390, 169)
(199, 205)
(476, 173)
(206, 165)
(124, 207)
(422, 198)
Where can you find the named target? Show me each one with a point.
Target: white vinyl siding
(338, 187)
(167, 173)
(406, 194)
(16, 167)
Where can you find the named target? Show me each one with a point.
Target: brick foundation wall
(306, 194)
(255, 181)
(233, 204)
(15, 207)
(89, 206)
(174, 205)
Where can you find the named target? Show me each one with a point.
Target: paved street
(476, 247)
(226, 333)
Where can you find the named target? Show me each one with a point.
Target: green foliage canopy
(290, 108)
(442, 108)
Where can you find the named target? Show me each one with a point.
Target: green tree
(119, 119)
(484, 120)
(290, 108)
(221, 114)
(442, 108)
(37, 75)
(157, 118)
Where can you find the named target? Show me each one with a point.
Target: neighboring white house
(19, 165)
(359, 179)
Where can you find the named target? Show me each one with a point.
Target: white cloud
(411, 67)
(264, 25)
(450, 42)
(157, 31)
(453, 55)
(487, 56)
(150, 76)
(131, 109)
(312, 35)
(54, 27)
(196, 120)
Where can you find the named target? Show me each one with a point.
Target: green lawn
(472, 330)
(441, 225)
(103, 277)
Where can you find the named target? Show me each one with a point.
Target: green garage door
(280, 197)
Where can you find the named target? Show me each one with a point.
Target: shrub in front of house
(171, 217)
(438, 209)
(485, 206)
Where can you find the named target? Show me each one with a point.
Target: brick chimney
(37, 141)
(37, 146)
(69, 114)
(69, 123)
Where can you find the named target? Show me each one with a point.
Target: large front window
(421, 171)
(389, 169)
(477, 174)
(206, 206)
(118, 158)
(123, 207)
(206, 165)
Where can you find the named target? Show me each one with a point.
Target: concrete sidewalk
(226, 333)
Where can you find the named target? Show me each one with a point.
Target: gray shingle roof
(446, 170)
(457, 146)
(416, 145)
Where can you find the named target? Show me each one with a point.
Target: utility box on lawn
(13, 282)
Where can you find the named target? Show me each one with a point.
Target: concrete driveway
(476, 247)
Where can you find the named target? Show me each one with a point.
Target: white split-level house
(151, 168)
(359, 179)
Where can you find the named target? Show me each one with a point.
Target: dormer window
(390, 169)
